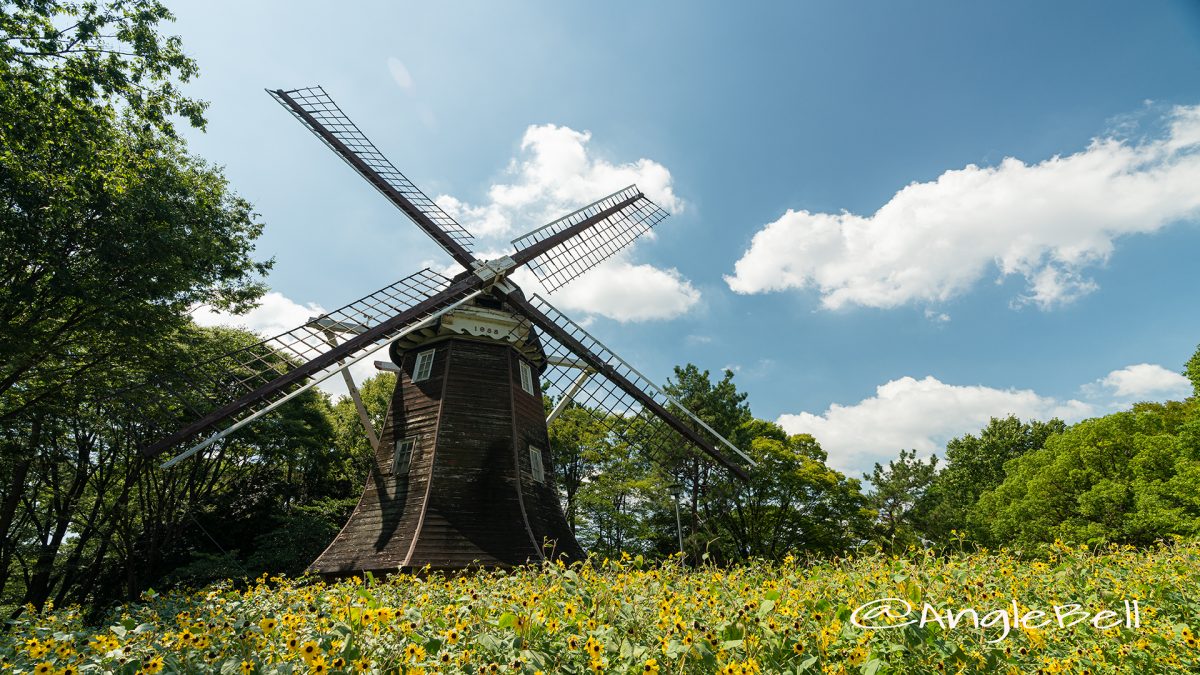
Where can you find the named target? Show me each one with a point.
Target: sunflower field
(629, 616)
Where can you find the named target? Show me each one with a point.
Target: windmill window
(423, 366)
(535, 465)
(403, 456)
(526, 378)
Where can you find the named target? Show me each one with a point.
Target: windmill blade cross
(325, 119)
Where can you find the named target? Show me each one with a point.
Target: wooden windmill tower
(462, 473)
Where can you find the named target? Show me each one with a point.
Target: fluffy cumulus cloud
(919, 414)
(556, 173)
(1146, 381)
(620, 290)
(1048, 222)
(274, 314)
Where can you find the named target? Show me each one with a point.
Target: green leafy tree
(1126, 478)
(109, 230)
(792, 503)
(898, 495)
(613, 504)
(98, 521)
(723, 408)
(349, 435)
(580, 443)
(973, 465)
(1192, 371)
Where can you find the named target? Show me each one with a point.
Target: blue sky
(874, 315)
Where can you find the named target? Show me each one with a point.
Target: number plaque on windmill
(462, 473)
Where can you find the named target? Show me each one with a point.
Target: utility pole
(676, 489)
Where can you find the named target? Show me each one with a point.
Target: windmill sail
(633, 407)
(566, 248)
(462, 472)
(325, 119)
(222, 391)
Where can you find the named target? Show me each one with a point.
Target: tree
(1126, 478)
(975, 464)
(723, 408)
(580, 444)
(350, 437)
(1192, 371)
(97, 521)
(109, 234)
(792, 503)
(898, 496)
(109, 231)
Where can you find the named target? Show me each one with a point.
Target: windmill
(462, 472)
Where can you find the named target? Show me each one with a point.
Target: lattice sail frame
(607, 404)
(318, 104)
(567, 261)
(200, 388)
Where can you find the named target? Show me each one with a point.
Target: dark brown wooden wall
(542, 505)
(474, 513)
(380, 530)
(469, 497)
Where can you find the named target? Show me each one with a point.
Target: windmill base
(470, 494)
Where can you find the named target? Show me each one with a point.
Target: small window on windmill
(535, 465)
(403, 456)
(423, 366)
(526, 378)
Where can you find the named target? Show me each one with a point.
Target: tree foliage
(973, 465)
(793, 502)
(1192, 371)
(618, 500)
(109, 230)
(899, 498)
(109, 233)
(1125, 478)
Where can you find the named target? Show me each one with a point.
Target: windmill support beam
(566, 398)
(566, 363)
(363, 415)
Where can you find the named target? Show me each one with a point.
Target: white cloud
(918, 414)
(555, 174)
(1048, 222)
(1146, 381)
(620, 290)
(274, 314)
(399, 72)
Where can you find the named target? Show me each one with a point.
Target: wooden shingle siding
(469, 497)
(542, 505)
(379, 533)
